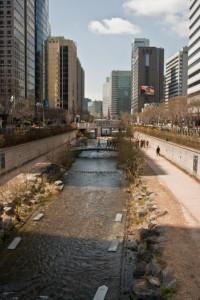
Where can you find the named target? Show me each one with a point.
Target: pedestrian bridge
(94, 148)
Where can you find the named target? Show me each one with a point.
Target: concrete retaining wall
(186, 158)
(14, 157)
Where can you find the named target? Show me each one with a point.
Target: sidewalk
(185, 189)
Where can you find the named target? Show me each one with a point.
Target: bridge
(94, 148)
(99, 125)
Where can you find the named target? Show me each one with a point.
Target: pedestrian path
(185, 188)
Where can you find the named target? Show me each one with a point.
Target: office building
(95, 108)
(17, 55)
(120, 93)
(62, 74)
(107, 98)
(42, 32)
(176, 74)
(137, 43)
(194, 49)
(80, 87)
(148, 77)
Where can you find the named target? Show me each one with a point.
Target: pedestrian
(147, 143)
(158, 151)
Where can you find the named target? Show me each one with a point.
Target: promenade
(185, 188)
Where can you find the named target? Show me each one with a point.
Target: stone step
(38, 217)
(13, 245)
(113, 246)
(118, 218)
(101, 293)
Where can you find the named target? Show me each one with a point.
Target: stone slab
(113, 246)
(101, 293)
(38, 217)
(13, 245)
(118, 218)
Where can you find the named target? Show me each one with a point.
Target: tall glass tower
(42, 31)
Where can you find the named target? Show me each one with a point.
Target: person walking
(158, 151)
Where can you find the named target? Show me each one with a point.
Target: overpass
(99, 125)
(94, 148)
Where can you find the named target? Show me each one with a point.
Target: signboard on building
(147, 90)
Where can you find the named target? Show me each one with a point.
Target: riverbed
(65, 255)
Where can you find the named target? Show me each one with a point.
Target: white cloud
(174, 13)
(113, 26)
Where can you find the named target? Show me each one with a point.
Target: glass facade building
(17, 54)
(120, 93)
(12, 54)
(42, 31)
(30, 50)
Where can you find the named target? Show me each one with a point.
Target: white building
(194, 49)
(107, 98)
(176, 75)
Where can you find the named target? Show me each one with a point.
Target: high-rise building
(42, 32)
(62, 74)
(30, 50)
(80, 87)
(17, 54)
(137, 43)
(176, 74)
(120, 93)
(95, 108)
(148, 77)
(194, 49)
(107, 98)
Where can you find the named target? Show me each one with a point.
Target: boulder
(154, 281)
(168, 278)
(143, 291)
(58, 183)
(153, 269)
(142, 212)
(132, 245)
(140, 269)
(31, 178)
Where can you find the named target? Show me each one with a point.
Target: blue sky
(104, 30)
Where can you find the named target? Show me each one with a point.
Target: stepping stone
(113, 246)
(13, 245)
(38, 217)
(101, 293)
(118, 218)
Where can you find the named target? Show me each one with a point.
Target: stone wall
(14, 157)
(186, 158)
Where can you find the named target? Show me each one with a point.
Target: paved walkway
(185, 188)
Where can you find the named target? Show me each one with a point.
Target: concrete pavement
(185, 188)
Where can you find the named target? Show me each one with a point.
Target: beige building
(62, 74)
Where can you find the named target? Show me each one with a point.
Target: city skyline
(101, 28)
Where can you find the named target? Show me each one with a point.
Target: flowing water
(65, 255)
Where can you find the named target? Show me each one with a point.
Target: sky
(104, 30)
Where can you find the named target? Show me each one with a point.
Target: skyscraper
(148, 77)
(16, 59)
(80, 87)
(62, 74)
(120, 93)
(137, 43)
(42, 31)
(29, 14)
(194, 49)
(176, 74)
(107, 98)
